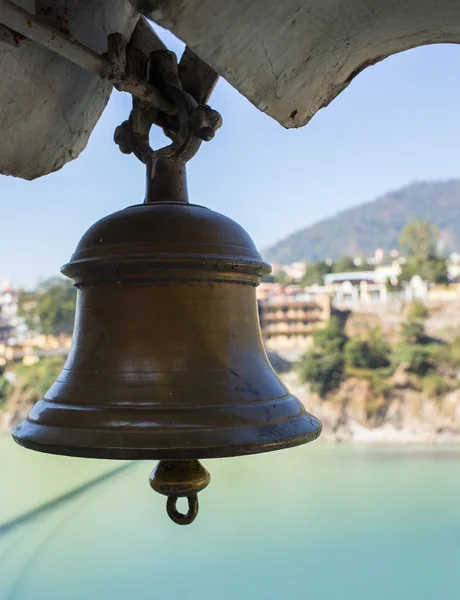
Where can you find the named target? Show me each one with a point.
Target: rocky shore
(406, 416)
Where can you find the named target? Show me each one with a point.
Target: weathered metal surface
(49, 106)
(191, 124)
(292, 57)
(179, 478)
(167, 360)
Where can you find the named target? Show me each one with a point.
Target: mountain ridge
(376, 224)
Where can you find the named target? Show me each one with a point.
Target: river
(320, 521)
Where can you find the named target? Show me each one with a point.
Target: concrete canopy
(49, 106)
(292, 57)
(288, 57)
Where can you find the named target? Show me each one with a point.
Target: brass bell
(167, 360)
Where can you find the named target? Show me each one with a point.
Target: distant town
(298, 298)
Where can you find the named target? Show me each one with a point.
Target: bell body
(167, 359)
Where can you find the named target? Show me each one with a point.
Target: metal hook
(191, 124)
(180, 479)
(178, 517)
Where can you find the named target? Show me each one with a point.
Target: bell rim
(159, 267)
(312, 428)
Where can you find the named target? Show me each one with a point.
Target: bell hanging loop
(178, 517)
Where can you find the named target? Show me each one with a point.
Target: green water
(327, 522)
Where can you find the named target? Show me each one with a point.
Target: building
(17, 343)
(288, 320)
(295, 270)
(9, 318)
(362, 287)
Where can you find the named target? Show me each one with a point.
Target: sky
(397, 122)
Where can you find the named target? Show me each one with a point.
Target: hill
(376, 224)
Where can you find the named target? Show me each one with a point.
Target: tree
(433, 270)
(332, 337)
(51, 308)
(322, 370)
(419, 241)
(415, 356)
(344, 265)
(5, 388)
(373, 353)
(418, 311)
(315, 273)
(323, 366)
(33, 381)
(413, 330)
(282, 278)
(413, 348)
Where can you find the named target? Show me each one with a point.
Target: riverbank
(405, 416)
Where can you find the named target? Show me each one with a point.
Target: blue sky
(397, 122)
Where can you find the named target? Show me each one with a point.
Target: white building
(9, 318)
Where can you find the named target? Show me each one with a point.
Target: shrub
(380, 386)
(33, 381)
(323, 367)
(5, 389)
(434, 385)
(373, 353)
(356, 354)
(413, 332)
(447, 354)
(418, 310)
(417, 358)
(322, 370)
(332, 337)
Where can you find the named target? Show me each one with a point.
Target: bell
(167, 360)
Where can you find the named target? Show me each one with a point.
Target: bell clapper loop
(177, 516)
(180, 479)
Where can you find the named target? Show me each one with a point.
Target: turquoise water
(329, 522)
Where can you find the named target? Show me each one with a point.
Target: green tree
(413, 329)
(322, 370)
(5, 389)
(344, 265)
(417, 358)
(323, 366)
(331, 337)
(414, 348)
(51, 309)
(418, 311)
(373, 353)
(418, 241)
(33, 381)
(281, 278)
(433, 270)
(315, 273)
